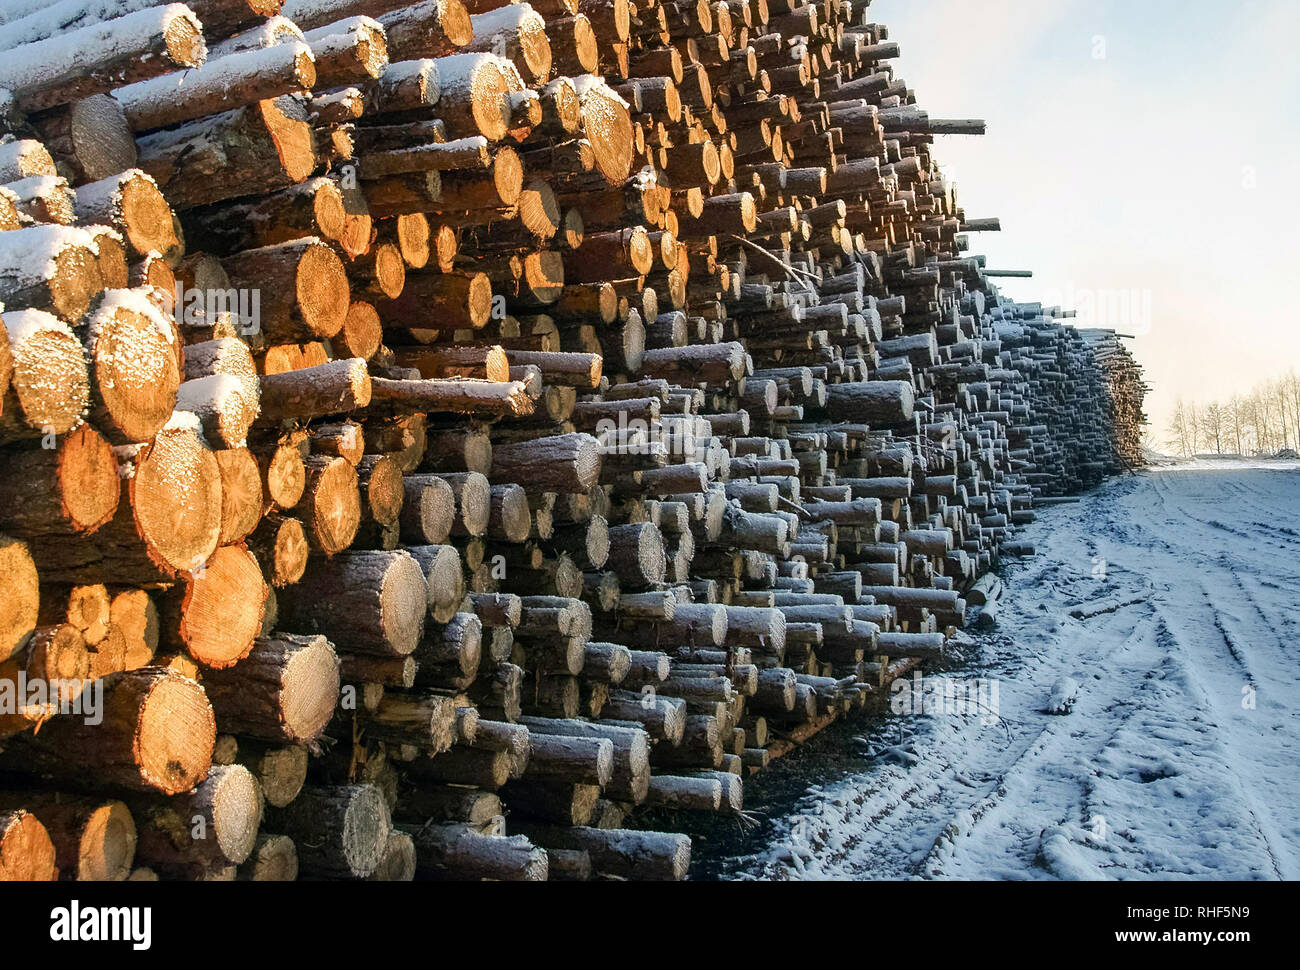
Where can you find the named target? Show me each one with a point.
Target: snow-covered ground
(1180, 757)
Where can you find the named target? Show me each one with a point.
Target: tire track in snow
(1158, 747)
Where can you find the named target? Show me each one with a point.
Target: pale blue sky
(1141, 155)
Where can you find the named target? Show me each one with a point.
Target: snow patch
(1064, 694)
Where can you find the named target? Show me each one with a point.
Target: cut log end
(20, 605)
(223, 608)
(88, 480)
(26, 852)
(176, 733)
(322, 288)
(310, 689)
(176, 498)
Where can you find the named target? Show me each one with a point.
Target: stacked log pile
(1124, 391)
(435, 432)
(1061, 447)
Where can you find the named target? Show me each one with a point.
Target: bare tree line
(1264, 420)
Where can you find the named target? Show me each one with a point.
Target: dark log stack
(418, 413)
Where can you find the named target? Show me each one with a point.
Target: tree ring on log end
(136, 372)
(26, 852)
(176, 734)
(236, 812)
(19, 605)
(88, 479)
(365, 821)
(107, 844)
(223, 608)
(150, 226)
(335, 506)
(49, 369)
(489, 101)
(404, 600)
(322, 289)
(184, 40)
(176, 498)
(607, 124)
(310, 689)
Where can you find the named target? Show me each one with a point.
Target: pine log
(564, 463)
(314, 306)
(285, 690)
(872, 402)
(157, 734)
(622, 853)
(260, 147)
(373, 603)
(73, 489)
(211, 827)
(341, 832)
(145, 542)
(481, 398)
(26, 852)
(100, 57)
(94, 839)
(461, 852)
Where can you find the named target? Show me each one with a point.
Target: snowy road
(1181, 757)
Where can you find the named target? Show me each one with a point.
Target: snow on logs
(72, 65)
(414, 414)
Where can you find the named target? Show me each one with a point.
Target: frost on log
(418, 414)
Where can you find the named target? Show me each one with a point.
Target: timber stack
(418, 416)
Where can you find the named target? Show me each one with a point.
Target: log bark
(625, 854)
(373, 602)
(461, 852)
(94, 839)
(157, 734)
(285, 690)
(96, 59)
(565, 463)
(340, 832)
(263, 146)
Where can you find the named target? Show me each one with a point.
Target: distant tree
(1179, 433)
(1278, 392)
(1212, 426)
(1267, 430)
(1263, 420)
(1291, 387)
(1236, 410)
